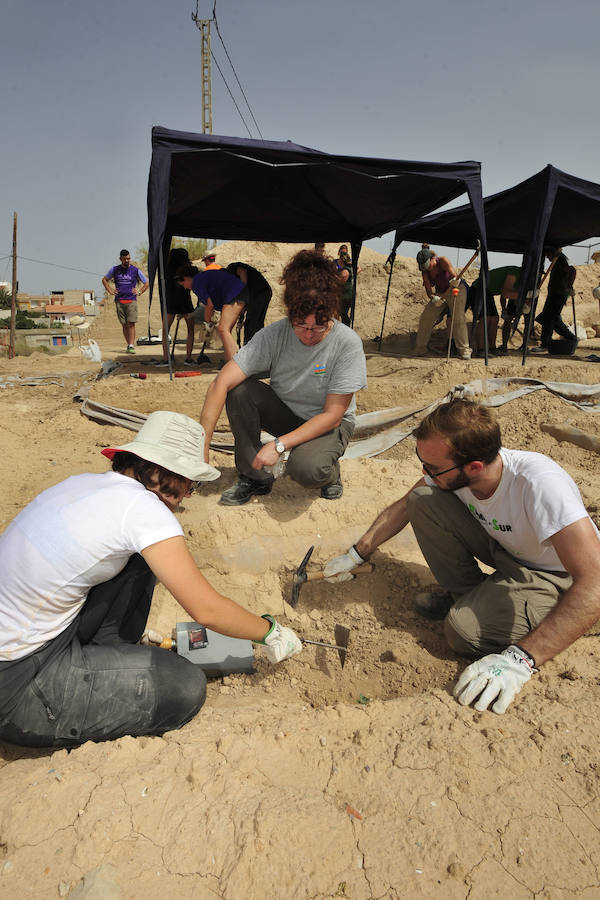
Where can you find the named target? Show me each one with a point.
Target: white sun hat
(173, 441)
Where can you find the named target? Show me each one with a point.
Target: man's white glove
(280, 641)
(339, 569)
(454, 283)
(437, 301)
(498, 676)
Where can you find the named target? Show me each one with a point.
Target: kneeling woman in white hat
(79, 565)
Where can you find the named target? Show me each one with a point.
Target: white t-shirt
(534, 500)
(302, 375)
(73, 536)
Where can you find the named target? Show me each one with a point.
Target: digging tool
(456, 290)
(342, 636)
(301, 575)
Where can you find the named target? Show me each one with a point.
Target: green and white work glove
(339, 569)
(280, 642)
(498, 676)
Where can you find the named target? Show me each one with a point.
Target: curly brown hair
(311, 285)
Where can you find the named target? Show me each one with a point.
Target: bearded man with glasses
(315, 365)
(515, 511)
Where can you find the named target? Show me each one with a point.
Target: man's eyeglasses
(310, 329)
(437, 474)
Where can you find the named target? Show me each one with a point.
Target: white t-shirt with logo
(535, 499)
(72, 537)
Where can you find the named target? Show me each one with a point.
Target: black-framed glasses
(437, 474)
(309, 329)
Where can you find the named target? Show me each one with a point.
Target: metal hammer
(301, 575)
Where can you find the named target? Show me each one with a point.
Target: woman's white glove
(339, 569)
(280, 642)
(498, 676)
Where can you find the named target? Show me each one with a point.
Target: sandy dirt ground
(309, 780)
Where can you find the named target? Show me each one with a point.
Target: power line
(57, 265)
(234, 71)
(230, 94)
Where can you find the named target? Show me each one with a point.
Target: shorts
(126, 312)
(242, 297)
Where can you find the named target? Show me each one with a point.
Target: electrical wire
(58, 266)
(234, 71)
(221, 73)
(230, 94)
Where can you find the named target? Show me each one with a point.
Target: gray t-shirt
(302, 376)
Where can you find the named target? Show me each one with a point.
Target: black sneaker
(333, 491)
(245, 488)
(433, 606)
(188, 361)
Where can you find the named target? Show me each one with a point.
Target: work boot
(245, 488)
(432, 605)
(333, 491)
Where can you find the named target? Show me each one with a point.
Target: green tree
(196, 248)
(5, 299)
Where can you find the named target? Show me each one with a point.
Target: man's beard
(460, 481)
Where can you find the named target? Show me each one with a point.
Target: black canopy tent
(550, 208)
(235, 188)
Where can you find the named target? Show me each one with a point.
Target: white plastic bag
(91, 351)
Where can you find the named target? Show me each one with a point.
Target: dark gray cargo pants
(92, 682)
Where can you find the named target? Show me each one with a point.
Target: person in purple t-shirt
(126, 279)
(218, 289)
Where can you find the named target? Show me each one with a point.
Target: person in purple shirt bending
(218, 289)
(126, 279)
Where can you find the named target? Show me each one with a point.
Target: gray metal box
(216, 653)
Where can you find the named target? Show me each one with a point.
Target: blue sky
(511, 84)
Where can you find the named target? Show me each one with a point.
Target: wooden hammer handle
(360, 570)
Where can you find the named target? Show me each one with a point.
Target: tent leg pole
(392, 256)
(486, 344)
(163, 305)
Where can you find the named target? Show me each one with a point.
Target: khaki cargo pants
(491, 611)
(431, 314)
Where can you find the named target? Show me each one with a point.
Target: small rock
(7, 867)
(63, 888)
(316, 615)
(323, 740)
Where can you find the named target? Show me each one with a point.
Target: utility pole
(13, 305)
(203, 26)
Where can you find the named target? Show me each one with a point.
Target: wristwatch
(279, 446)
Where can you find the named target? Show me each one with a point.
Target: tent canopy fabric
(205, 185)
(550, 208)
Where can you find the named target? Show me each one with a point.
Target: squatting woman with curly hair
(315, 365)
